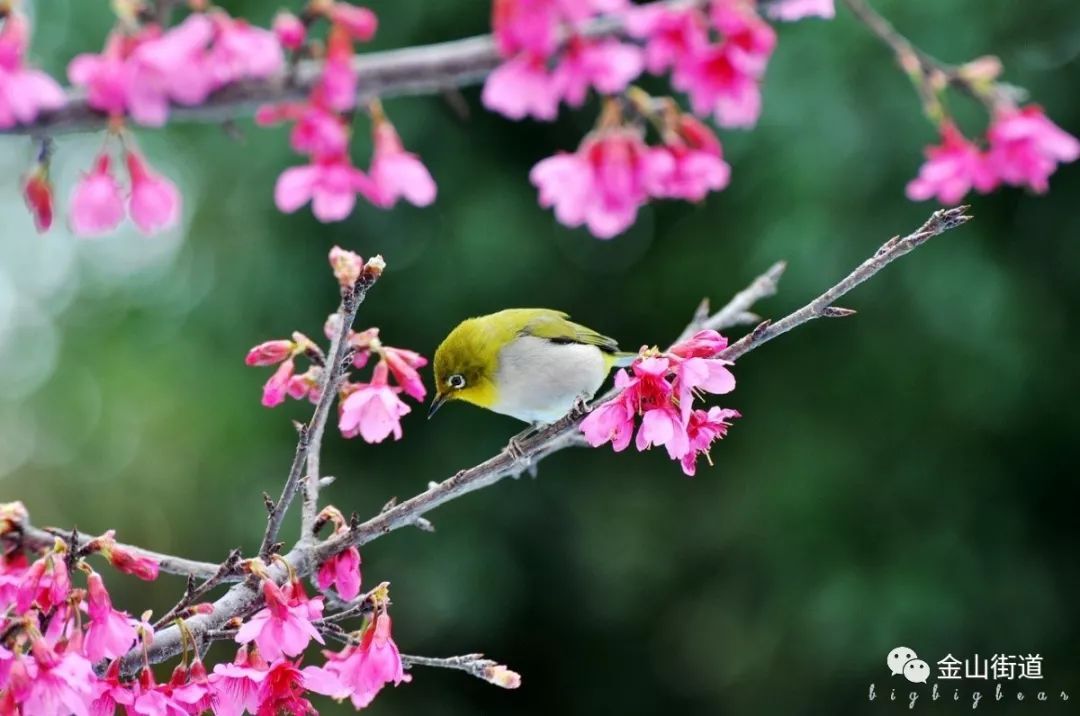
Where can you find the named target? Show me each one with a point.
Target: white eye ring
(456, 381)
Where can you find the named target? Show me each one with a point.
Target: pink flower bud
(155, 201)
(131, 563)
(277, 387)
(37, 191)
(97, 206)
(290, 31)
(501, 676)
(270, 352)
(346, 265)
(359, 22)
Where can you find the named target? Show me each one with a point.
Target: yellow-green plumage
(530, 363)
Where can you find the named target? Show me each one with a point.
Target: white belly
(539, 380)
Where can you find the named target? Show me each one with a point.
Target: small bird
(533, 364)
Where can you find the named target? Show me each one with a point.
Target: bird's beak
(436, 403)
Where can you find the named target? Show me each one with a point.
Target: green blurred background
(905, 476)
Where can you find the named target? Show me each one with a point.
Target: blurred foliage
(903, 476)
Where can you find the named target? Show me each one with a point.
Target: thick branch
(421, 70)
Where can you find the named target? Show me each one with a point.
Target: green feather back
(557, 327)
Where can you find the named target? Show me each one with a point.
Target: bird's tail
(622, 359)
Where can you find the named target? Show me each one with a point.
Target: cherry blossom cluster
(25, 92)
(614, 171)
(657, 398)
(321, 127)
(1023, 148)
(372, 409)
(715, 52)
(61, 645)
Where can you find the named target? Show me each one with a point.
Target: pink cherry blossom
(236, 686)
(192, 690)
(403, 365)
(277, 385)
(155, 201)
(744, 31)
(153, 699)
(359, 22)
(110, 633)
(330, 184)
(397, 173)
(306, 384)
(319, 133)
(336, 88)
(59, 682)
(524, 26)
(698, 158)
(612, 422)
(671, 34)
(24, 92)
(290, 31)
(282, 692)
(721, 81)
(663, 426)
(172, 67)
(790, 10)
(342, 571)
(701, 374)
(360, 672)
(607, 65)
(951, 170)
(604, 183)
(106, 76)
(1026, 147)
(45, 584)
(97, 205)
(284, 626)
(522, 87)
(703, 428)
(661, 390)
(373, 410)
(110, 692)
(241, 51)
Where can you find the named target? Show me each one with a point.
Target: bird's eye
(457, 382)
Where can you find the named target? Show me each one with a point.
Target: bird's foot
(515, 448)
(580, 408)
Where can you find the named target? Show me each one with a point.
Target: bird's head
(465, 365)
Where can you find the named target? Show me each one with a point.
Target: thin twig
(193, 593)
(335, 370)
(926, 71)
(473, 664)
(37, 538)
(737, 311)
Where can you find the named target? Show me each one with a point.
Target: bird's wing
(556, 327)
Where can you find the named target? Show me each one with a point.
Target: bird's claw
(516, 450)
(580, 408)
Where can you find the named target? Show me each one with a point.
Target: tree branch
(304, 557)
(421, 70)
(563, 432)
(38, 538)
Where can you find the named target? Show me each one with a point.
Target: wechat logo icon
(903, 660)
